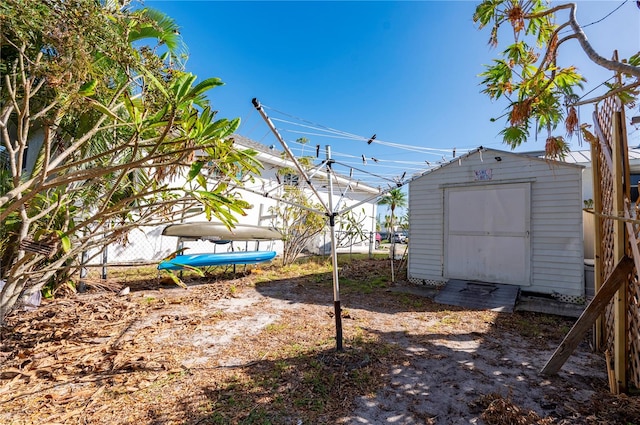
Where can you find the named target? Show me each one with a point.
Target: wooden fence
(617, 235)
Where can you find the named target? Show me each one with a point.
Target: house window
(4, 158)
(214, 172)
(635, 178)
(290, 179)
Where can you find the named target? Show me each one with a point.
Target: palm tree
(394, 198)
(388, 226)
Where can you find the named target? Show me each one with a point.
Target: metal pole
(84, 259)
(329, 211)
(372, 245)
(393, 249)
(105, 259)
(290, 154)
(334, 256)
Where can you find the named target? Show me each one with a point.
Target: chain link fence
(147, 245)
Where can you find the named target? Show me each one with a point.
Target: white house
(499, 217)
(149, 245)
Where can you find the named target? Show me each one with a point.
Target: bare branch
(584, 42)
(608, 94)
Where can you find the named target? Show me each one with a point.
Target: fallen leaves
(179, 356)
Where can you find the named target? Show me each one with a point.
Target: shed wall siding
(557, 253)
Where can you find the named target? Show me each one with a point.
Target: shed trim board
(486, 233)
(550, 257)
(466, 184)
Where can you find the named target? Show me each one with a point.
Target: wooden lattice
(633, 299)
(607, 261)
(634, 330)
(605, 121)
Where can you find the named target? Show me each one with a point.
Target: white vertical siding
(557, 253)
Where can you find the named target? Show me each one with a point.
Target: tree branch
(584, 42)
(607, 94)
(595, 57)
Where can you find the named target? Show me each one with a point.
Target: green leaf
(134, 108)
(181, 86)
(103, 109)
(156, 83)
(88, 88)
(176, 279)
(65, 242)
(202, 181)
(517, 52)
(514, 136)
(155, 24)
(195, 169)
(485, 11)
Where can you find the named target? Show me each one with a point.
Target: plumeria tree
(100, 128)
(541, 92)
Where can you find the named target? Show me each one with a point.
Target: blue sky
(406, 71)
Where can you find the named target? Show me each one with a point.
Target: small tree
(295, 216)
(529, 76)
(297, 222)
(349, 228)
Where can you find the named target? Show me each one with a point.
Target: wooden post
(619, 155)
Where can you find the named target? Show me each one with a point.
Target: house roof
(276, 157)
(583, 157)
(248, 143)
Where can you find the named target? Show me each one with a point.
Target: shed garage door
(487, 233)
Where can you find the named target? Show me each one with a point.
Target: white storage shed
(499, 217)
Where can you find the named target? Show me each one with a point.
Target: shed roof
(496, 152)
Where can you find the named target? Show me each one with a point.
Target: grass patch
(410, 301)
(308, 383)
(537, 325)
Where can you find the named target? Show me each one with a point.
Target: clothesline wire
(360, 138)
(348, 136)
(421, 167)
(365, 172)
(390, 167)
(355, 137)
(317, 127)
(438, 152)
(380, 160)
(380, 164)
(320, 126)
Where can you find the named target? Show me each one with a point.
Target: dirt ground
(253, 350)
